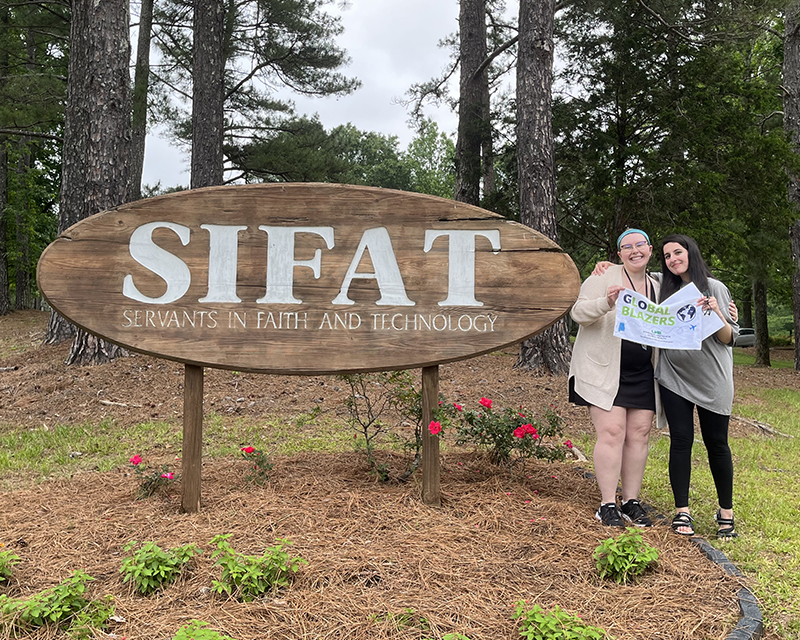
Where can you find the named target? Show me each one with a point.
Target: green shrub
(55, 605)
(93, 617)
(505, 432)
(625, 557)
(7, 561)
(259, 474)
(196, 630)
(151, 568)
(538, 624)
(248, 577)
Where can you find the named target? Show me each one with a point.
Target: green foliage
(625, 557)
(56, 605)
(150, 568)
(152, 479)
(93, 617)
(7, 560)
(196, 630)
(259, 473)
(538, 624)
(507, 434)
(248, 577)
(408, 618)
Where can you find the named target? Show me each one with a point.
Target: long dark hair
(699, 273)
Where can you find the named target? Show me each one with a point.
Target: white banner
(677, 323)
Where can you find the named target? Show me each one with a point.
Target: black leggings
(714, 429)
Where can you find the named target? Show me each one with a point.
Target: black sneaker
(633, 512)
(609, 516)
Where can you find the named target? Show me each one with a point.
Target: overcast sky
(392, 44)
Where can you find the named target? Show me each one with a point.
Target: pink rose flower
(486, 402)
(168, 476)
(568, 443)
(519, 432)
(434, 427)
(458, 407)
(529, 428)
(248, 449)
(137, 459)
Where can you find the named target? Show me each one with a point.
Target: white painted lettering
(461, 259)
(223, 256)
(387, 273)
(169, 267)
(281, 262)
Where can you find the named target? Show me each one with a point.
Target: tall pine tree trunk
(5, 291)
(208, 93)
(141, 83)
(473, 87)
(97, 134)
(550, 351)
(762, 331)
(791, 122)
(23, 298)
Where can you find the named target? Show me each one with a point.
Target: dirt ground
(375, 553)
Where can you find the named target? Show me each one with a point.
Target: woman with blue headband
(700, 380)
(614, 378)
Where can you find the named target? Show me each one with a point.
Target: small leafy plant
(505, 433)
(625, 557)
(538, 624)
(249, 577)
(150, 568)
(406, 619)
(94, 616)
(56, 605)
(7, 561)
(151, 479)
(196, 630)
(259, 474)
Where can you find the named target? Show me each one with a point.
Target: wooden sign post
(306, 279)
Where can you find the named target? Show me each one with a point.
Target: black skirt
(636, 387)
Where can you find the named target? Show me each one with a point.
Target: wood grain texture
(524, 287)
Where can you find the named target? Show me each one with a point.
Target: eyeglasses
(630, 247)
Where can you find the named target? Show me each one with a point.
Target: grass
(742, 358)
(765, 502)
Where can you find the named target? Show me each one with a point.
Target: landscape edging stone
(751, 624)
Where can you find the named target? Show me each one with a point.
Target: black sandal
(726, 526)
(683, 519)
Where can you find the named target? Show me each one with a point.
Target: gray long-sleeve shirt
(704, 377)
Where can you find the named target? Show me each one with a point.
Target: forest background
(668, 115)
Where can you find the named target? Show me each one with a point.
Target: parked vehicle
(746, 338)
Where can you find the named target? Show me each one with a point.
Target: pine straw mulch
(373, 550)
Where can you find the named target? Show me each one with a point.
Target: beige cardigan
(596, 353)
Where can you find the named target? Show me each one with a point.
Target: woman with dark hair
(701, 379)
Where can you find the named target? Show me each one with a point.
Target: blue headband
(629, 231)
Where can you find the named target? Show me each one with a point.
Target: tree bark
(550, 351)
(97, 134)
(791, 123)
(208, 93)
(23, 298)
(762, 332)
(473, 87)
(141, 83)
(5, 291)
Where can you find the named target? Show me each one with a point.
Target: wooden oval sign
(307, 278)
